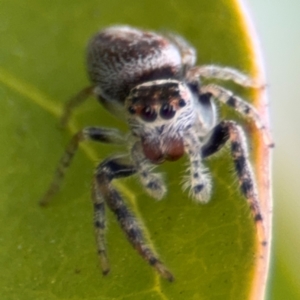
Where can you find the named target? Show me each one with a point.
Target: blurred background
(278, 26)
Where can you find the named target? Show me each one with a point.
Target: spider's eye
(131, 110)
(167, 112)
(182, 103)
(148, 114)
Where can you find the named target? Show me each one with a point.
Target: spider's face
(159, 112)
(158, 103)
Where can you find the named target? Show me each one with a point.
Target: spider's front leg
(230, 131)
(104, 191)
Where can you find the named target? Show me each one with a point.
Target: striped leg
(73, 103)
(198, 180)
(152, 182)
(223, 73)
(100, 225)
(240, 105)
(229, 130)
(188, 53)
(107, 171)
(103, 135)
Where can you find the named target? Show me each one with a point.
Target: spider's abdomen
(122, 57)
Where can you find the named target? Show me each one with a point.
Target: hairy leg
(75, 101)
(223, 73)
(188, 53)
(152, 182)
(240, 105)
(198, 181)
(230, 131)
(107, 171)
(103, 135)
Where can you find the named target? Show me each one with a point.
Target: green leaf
(49, 253)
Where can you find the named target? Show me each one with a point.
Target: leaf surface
(49, 253)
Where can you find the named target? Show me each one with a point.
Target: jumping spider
(152, 81)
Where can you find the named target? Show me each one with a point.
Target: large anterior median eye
(148, 114)
(167, 111)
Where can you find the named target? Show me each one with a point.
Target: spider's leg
(74, 102)
(103, 135)
(222, 73)
(188, 53)
(230, 131)
(152, 182)
(240, 105)
(218, 137)
(198, 180)
(107, 171)
(100, 226)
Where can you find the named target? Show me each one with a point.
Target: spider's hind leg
(97, 134)
(187, 52)
(74, 102)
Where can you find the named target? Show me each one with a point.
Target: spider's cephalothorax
(151, 81)
(160, 112)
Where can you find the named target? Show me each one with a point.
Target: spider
(151, 81)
